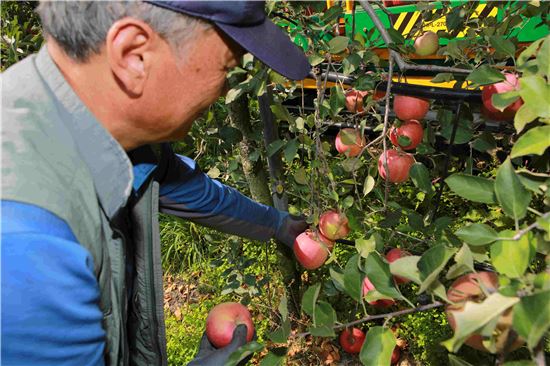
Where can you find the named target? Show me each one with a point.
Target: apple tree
(426, 198)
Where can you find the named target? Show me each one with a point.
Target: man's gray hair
(80, 27)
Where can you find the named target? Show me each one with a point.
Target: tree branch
(380, 316)
(404, 66)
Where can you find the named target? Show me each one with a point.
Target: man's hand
(209, 355)
(291, 227)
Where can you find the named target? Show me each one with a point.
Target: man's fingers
(205, 344)
(239, 336)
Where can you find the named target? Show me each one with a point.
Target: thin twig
(385, 132)
(379, 316)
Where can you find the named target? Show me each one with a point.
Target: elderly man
(86, 168)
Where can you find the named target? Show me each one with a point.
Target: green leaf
(464, 263)
(543, 58)
(477, 234)
(457, 361)
(520, 363)
(300, 176)
(378, 272)
(291, 149)
(282, 113)
(511, 194)
(315, 59)
(310, 298)
(368, 185)
(532, 317)
(378, 347)
(421, 177)
(332, 14)
(274, 147)
(324, 318)
(275, 357)
(283, 307)
(502, 45)
(364, 82)
(406, 267)
(337, 100)
(243, 352)
(523, 116)
(351, 63)
(472, 188)
(432, 263)
(485, 75)
(365, 246)
(475, 316)
(502, 100)
(443, 77)
(337, 279)
(535, 92)
(353, 278)
(528, 52)
(535, 141)
(338, 44)
(485, 142)
(281, 334)
(511, 257)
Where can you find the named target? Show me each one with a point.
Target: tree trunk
(258, 182)
(254, 172)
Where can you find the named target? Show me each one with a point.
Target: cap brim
(272, 46)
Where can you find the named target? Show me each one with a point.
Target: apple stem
(368, 318)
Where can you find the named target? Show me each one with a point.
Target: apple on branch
(350, 141)
(407, 135)
(427, 44)
(399, 165)
(352, 340)
(408, 108)
(311, 249)
(334, 225)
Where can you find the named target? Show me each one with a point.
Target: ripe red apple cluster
(222, 321)
(312, 247)
(352, 339)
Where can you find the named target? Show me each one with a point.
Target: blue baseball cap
(246, 23)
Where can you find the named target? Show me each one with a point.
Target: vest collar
(109, 165)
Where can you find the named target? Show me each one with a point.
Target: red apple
(354, 100)
(511, 83)
(222, 321)
(382, 303)
(388, 3)
(334, 225)
(412, 130)
(406, 108)
(393, 255)
(399, 165)
(352, 340)
(345, 135)
(427, 44)
(395, 356)
(310, 249)
(474, 287)
(497, 116)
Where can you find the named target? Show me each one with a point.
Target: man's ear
(129, 44)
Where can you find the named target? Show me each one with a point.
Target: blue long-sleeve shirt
(50, 296)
